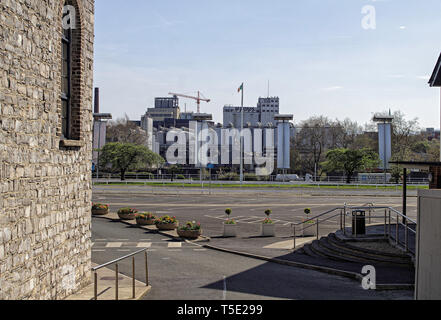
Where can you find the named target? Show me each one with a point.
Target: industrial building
(264, 114)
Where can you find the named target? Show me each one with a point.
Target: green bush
(230, 176)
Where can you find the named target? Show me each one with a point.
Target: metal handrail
(132, 255)
(368, 206)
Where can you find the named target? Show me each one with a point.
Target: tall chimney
(97, 101)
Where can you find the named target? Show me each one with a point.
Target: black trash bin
(358, 222)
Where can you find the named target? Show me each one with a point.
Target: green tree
(349, 161)
(128, 156)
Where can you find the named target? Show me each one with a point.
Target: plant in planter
(127, 213)
(166, 223)
(308, 227)
(230, 225)
(99, 209)
(268, 226)
(145, 219)
(191, 230)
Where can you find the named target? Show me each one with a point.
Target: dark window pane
(64, 109)
(65, 87)
(65, 50)
(65, 68)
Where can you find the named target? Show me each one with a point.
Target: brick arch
(77, 69)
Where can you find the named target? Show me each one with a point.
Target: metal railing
(390, 216)
(115, 262)
(338, 180)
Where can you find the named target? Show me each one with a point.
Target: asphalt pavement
(182, 271)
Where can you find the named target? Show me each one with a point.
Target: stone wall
(45, 183)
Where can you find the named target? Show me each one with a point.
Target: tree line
(321, 146)
(333, 147)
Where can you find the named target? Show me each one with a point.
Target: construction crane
(198, 98)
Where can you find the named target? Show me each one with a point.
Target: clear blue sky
(315, 53)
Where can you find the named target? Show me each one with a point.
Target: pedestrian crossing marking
(114, 245)
(175, 245)
(144, 245)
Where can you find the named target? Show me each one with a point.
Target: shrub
(100, 206)
(307, 211)
(230, 176)
(250, 177)
(230, 221)
(268, 212)
(180, 177)
(228, 211)
(268, 221)
(191, 226)
(146, 216)
(166, 220)
(127, 211)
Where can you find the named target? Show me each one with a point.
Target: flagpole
(241, 139)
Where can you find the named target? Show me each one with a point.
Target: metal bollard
(95, 289)
(294, 236)
(133, 278)
(146, 270)
(116, 282)
(318, 229)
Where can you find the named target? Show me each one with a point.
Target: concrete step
(373, 255)
(311, 253)
(318, 248)
(359, 256)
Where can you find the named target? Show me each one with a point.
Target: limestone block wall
(45, 183)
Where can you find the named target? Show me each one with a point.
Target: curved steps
(332, 248)
(380, 256)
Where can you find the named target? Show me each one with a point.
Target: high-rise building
(232, 116)
(263, 114)
(268, 108)
(165, 108)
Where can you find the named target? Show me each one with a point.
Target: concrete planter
(167, 226)
(189, 234)
(145, 222)
(127, 216)
(230, 230)
(100, 212)
(268, 230)
(311, 230)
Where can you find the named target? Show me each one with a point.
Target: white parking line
(96, 250)
(249, 218)
(254, 222)
(144, 245)
(114, 245)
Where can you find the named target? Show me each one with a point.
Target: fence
(190, 178)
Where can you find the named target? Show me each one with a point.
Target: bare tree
(316, 136)
(125, 131)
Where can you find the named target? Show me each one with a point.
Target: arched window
(66, 83)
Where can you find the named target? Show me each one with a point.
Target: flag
(240, 88)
